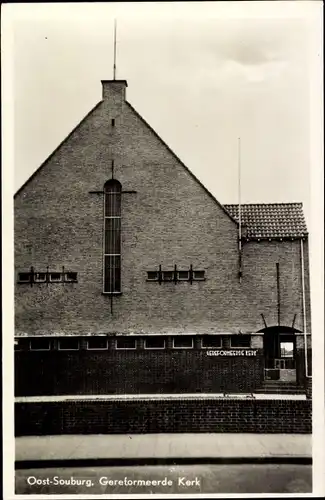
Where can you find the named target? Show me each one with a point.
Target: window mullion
(112, 237)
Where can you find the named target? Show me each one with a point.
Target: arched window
(112, 236)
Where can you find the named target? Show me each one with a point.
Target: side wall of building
(260, 286)
(139, 371)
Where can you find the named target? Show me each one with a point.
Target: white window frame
(37, 280)
(24, 281)
(97, 348)
(199, 271)
(183, 279)
(154, 348)
(54, 280)
(212, 347)
(17, 345)
(69, 349)
(168, 280)
(279, 363)
(112, 254)
(177, 347)
(155, 279)
(293, 349)
(236, 347)
(126, 348)
(30, 345)
(70, 280)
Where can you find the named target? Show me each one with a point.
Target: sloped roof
(271, 220)
(180, 161)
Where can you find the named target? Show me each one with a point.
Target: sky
(202, 75)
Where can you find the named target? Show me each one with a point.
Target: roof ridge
(264, 204)
(182, 163)
(58, 147)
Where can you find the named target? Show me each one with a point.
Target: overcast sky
(201, 74)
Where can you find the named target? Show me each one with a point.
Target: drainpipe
(304, 306)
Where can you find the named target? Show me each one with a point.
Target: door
(279, 353)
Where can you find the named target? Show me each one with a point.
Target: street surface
(137, 446)
(188, 479)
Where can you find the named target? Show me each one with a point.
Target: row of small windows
(130, 343)
(47, 277)
(176, 275)
(113, 273)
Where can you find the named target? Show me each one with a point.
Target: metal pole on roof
(114, 66)
(239, 212)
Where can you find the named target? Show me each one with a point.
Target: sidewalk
(145, 448)
(138, 397)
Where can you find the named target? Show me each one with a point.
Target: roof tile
(271, 220)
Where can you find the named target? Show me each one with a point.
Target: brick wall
(300, 358)
(136, 417)
(309, 387)
(134, 372)
(170, 219)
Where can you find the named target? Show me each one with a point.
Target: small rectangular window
(40, 277)
(240, 341)
(183, 275)
(152, 275)
(214, 341)
(198, 275)
(17, 345)
(54, 277)
(68, 344)
(24, 277)
(70, 276)
(155, 343)
(113, 122)
(183, 342)
(286, 349)
(97, 343)
(168, 275)
(39, 344)
(125, 343)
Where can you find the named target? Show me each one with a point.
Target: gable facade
(170, 223)
(167, 219)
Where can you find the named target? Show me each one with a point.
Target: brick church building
(130, 278)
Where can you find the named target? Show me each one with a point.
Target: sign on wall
(237, 352)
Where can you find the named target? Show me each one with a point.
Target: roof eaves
(183, 165)
(277, 237)
(57, 149)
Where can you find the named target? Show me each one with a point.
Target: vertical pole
(191, 274)
(175, 274)
(32, 274)
(114, 67)
(239, 213)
